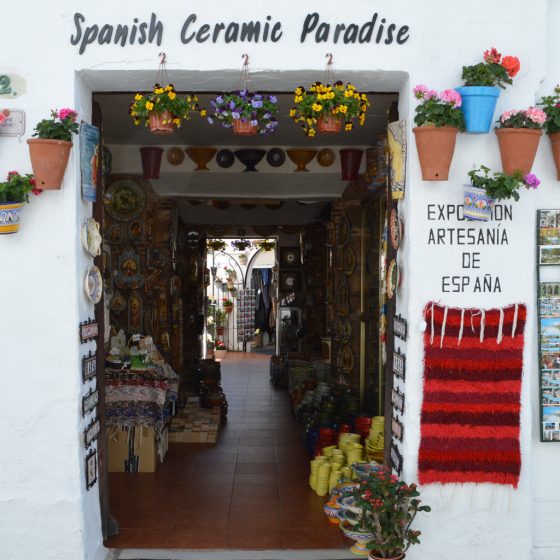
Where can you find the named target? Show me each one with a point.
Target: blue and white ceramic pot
(10, 217)
(477, 204)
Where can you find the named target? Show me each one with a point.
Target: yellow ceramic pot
(9, 217)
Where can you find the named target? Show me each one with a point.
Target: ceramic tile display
(245, 314)
(548, 305)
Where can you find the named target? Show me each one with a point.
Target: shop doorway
(310, 321)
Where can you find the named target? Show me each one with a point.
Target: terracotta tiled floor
(248, 492)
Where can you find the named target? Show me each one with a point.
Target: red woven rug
(472, 389)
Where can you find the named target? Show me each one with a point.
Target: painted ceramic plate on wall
(392, 279)
(225, 158)
(275, 157)
(93, 284)
(124, 200)
(91, 238)
(175, 156)
(395, 229)
(136, 230)
(326, 157)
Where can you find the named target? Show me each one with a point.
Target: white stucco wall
(45, 511)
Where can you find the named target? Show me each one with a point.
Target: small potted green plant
(551, 107)
(49, 152)
(14, 193)
(519, 133)
(220, 350)
(486, 188)
(162, 109)
(219, 317)
(481, 89)
(438, 119)
(227, 304)
(325, 108)
(248, 113)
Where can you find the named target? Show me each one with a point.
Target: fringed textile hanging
(473, 365)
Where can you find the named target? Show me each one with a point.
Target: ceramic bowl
(201, 155)
(250, 157)
(301, 157)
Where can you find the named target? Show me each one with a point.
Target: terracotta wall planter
(49, 159)
(518, 148)
(228, 310)
(160, 123)
(555, 145)
(329, 124)
(151, 161)
(10, 217)
(436, 146)
(350, 160)
(244, 128)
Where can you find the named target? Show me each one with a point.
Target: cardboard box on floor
(132, 450)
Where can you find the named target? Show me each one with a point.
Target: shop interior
(246, 324)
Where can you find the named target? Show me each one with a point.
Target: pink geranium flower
(451, 96)
(67, 113)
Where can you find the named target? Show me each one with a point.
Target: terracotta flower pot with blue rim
(518, 148)
(477, 204)
(478, 106)
(435, 146)
(10, 213)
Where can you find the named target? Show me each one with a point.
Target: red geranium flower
(512, 65)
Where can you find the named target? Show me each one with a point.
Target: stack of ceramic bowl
(362, 425)
(354, 452)
(314, 476)
(375, 442)
(323, 476)
(345, 439)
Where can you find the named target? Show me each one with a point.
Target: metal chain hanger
(162, 70)
(244, 78)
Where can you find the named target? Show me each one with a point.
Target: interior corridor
(249, 491)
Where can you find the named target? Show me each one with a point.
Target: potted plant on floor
(220, 350)
(485, 189)
(438, 119)
(162, 109)
(14, 193)
(551, 104)
(519, 133)
(248, 113)
(50, 151)
(325, 108)
(390, 507)
(482, 83)
(227, 305)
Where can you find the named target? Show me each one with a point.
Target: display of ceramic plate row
(93, 284)
(91, 238)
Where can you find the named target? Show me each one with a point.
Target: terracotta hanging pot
(228, 309)
(151, 161)
(555, 145)
(243, 128)
(350, 160)
(49, 159)
(160, 123)
(518, 148)
(10, 217)
(220, 331)
(435, 146)
(329, 124)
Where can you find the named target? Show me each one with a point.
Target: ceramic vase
(329, 124)
(301, 157)
(331, 509)
(49, 159)
(360, 538)
(435, 146)
(478, 106)
(243, 128)
(477, 204)
(10, 217)
(350, 160)
(555, 145)
(151, 161)
(160, 123)
(518, 148)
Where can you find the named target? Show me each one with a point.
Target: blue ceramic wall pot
(478, 106)
(477, 204)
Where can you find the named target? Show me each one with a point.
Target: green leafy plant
(495, 70)
(323, 99)
(163, 99)
(389, 507)
(216, 244)
(241, 244)
(551, 107)
(265, 244)
(219, 317)
(500, 186)
(438, 109)
(226, 302)
(17, 187)
(60, 127)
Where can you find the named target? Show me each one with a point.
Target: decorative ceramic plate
(326, 157)
(275, 157)
(136, 230)
(392, 279)
(225, 158)
(91, 238)
(114, 235)
(117, 303)
(175, 156)
(124, 200)
(93, 284)
(395, 229)
(349, 261)
(347, 360)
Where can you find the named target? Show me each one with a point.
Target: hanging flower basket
(160, 123)
(228, 305)
(216, 244)
(329, 124)
(244, 128)
(265, 245)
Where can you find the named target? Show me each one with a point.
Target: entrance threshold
(170, 554)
